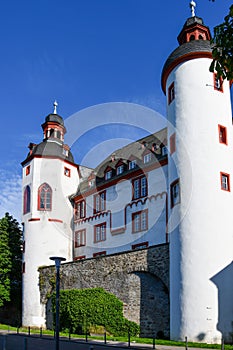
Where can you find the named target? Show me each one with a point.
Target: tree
(223, 48)
(10, 260)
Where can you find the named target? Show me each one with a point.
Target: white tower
(49, 177)
(201, 200)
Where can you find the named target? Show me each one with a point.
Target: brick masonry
(139, 278)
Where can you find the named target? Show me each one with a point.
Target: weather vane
(192, 5)
(55, 104)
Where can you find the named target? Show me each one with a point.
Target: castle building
(170, 188)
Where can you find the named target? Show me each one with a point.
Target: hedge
(80, 310)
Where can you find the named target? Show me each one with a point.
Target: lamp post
(57, 261)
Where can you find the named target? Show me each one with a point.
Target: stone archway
(148, 304)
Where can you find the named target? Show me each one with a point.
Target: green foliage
(223, 48)
(10, 260)
(81, 309)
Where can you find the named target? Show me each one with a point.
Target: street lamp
(57, 260)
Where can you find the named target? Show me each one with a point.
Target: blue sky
(82, 53)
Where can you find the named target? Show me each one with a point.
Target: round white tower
(200, 194)
(49, 177)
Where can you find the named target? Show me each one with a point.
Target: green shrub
(85, 308)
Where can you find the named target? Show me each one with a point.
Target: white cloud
(10, 194)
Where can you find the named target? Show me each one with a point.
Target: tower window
(192, 37)
(51, 133)
(218, 83)
(225, 181)
(175, 193)
(222, 130)
(66, 171)
(28, 168)
(140, 221)
(45, 197)
(26, 200)
(171, 93)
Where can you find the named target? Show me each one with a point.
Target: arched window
(45, 197)
(26, 200)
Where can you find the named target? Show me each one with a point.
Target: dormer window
(147, 158)
(108, 174)
(91, 183)
(132, 164)
(120, 169)
(164, 151)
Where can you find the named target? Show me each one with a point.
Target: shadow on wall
(154, 306)
(224, 282)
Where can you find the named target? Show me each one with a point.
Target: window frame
(28, 170)
(171, 92)
(81, 234)
(132, 164)
(67, 171)
(99, 254)
(228, 185)
(27, 200)
(218, 83)
(172, 187)
(141, 186)
(49, 191)
(141, 227)
(142, 245)
(100, 202)
(102, 235)
(222, 130)
(108, 174)
(120, 169)
(80, 209)
(147, 157)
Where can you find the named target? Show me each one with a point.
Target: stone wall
(139, 278)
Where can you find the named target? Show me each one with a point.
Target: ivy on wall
(80, 310)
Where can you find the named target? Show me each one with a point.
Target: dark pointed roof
(188, 49)
(54, 118)
(49, 149)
